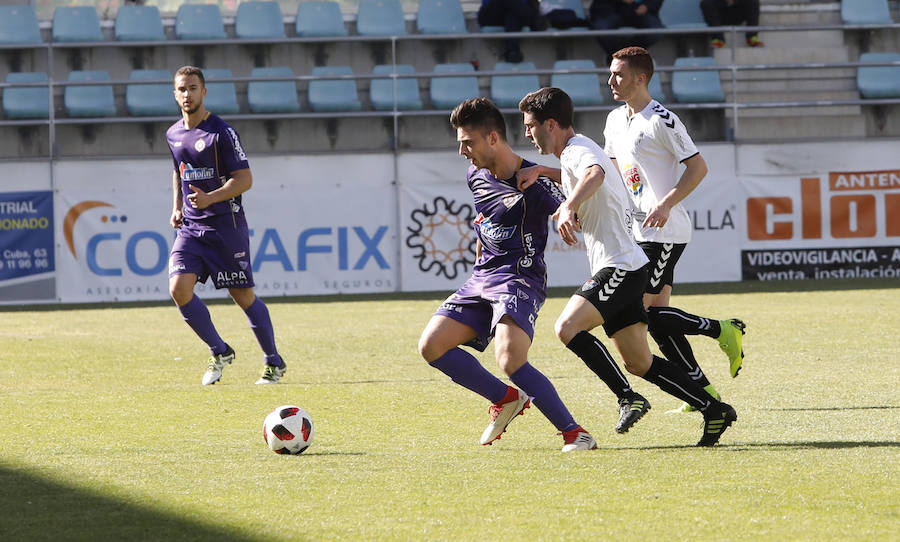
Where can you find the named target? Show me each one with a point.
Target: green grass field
(106, 433)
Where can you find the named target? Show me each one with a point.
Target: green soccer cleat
(215, 365)
(688, 408)
(272, 374)
(731, 341)
(630, 411)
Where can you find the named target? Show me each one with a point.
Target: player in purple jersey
(211, 173)
(502, 298)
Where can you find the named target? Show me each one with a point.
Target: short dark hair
(479, 114)
(191, 70)
(638, 59)
(549, 103)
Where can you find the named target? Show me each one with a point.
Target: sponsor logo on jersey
(239, 254)
(494, 232)
(190, 173)
(236, 141)
(234, 277)
(633, 179)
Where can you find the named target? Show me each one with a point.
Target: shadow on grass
(796, 445)
(34, 508)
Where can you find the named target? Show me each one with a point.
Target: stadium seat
(199, 22)
(583, 88)
(272, 96)
(139, 23)
(26, 102)
(575, 5)
(89, 101)
(155, 99)
(682, 14)
(440, 17)
(76, 23)
(381, 91)
(508, 90)
(380, 18)
(865, 12)
(447, 92)
(697, 86)
(656, 90)
(259, 20)
(221, 98)
(333, 94)
(879, 81)
(319, 19)
(19, 24)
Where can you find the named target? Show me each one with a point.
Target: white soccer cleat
(502, 415)
(578, 439)
(272, 374)
(216, 364)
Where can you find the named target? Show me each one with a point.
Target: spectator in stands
(512, 15)
(731, 12)
(613, 14)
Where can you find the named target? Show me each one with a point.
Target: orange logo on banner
(852, 215)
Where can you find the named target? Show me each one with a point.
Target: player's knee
(179, 294)
(429, 348)
(565, 329)
(637, 365)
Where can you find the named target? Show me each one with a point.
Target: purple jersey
(512, 225)
(205, 157)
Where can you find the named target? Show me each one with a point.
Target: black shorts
(663, 257)
(618, 295)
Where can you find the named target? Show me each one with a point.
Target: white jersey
(605, 217)
(649, 147)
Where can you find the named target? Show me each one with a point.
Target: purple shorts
(222, 254)
(482, 301)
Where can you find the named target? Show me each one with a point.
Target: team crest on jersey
(199, 145)
(589, 285)
(190, 173)
(510, 201)
(494, 232)
(633, 180)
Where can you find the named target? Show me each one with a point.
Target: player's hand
(199, 199)
(567, 224)
(657, 217)
(176, 218)
(526, 177)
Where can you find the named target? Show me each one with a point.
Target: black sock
(674, 381)
(677, 350)
(674, 321)
(598, 359)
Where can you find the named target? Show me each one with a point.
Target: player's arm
(694, 172)
(527, 176)
(477, 249)
(239, 182)
(177, 202)
(567, 214)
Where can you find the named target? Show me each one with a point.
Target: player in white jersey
(597, 204)
(648, 144)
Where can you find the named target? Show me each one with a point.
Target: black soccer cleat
(630, 411)
(715, 421)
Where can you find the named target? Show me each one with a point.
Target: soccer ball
(288, 430)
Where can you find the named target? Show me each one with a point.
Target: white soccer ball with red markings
(288, 430)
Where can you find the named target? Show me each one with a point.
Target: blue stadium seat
(381, 91)
(682, 14)
(255, 20)
(583, 88)
(19, 24)
(221, 98)
(447, 92)
(272, 96)
(320, 19)
(380, 18)
(508, 90)
(199, 22)
(656, 90)
(697, 86)
(155, 99)
(865, 12)
(333, 94)
(879, 81)
(440, 17)
(76, 23)
(139, 23)
(26, 102)
(575, 5)
(89, 101)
